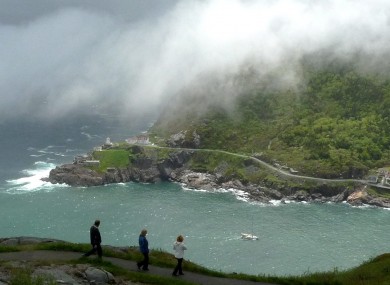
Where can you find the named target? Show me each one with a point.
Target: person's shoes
(181, 273)
(173, 274)
(145, 269)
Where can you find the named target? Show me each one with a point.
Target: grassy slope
(373, 272)
(336, 124)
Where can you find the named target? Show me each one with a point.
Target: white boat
(246, 236)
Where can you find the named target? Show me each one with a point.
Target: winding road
(276, 169)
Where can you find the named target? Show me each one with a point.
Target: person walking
(144, 248)
(96, 240)
(179, 249)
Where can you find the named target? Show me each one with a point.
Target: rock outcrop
(75, 175)
(54, 273)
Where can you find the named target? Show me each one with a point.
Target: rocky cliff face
(75, 175)
(148, 169)
(143, 169)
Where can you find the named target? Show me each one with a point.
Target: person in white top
(179, 249)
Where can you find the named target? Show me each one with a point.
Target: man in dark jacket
(96, 240)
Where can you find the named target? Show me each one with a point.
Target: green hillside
(372, 272)
(334, 123)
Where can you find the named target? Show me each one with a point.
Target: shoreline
(357, 196)
(176, 167)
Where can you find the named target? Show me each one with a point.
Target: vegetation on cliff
(335, 123)
(374, 271)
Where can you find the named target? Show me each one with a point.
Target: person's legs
(99, 251)
(92, 251)
(180, 263)
(178, 267)
(145, 262)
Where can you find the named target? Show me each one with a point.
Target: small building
(372, 179)
(80, 159)
(91, 163)
(108, 144)
(97, 148)
(140, 139)
(85, 160)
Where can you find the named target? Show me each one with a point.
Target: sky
(64, 57)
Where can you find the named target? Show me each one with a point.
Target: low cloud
(75, 59)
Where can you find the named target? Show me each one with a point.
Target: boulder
(99, 276)
(199, 180)
(58, 274)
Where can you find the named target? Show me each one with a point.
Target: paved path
(126, 264)
(271, 167)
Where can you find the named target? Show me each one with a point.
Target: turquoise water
(293, 238)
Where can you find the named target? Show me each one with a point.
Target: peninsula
(210, 170)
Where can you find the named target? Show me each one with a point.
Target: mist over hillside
(334, 123)
(131, 57)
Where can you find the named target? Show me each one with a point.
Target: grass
(23, 276)
(6, 248)
(118, 158)
(385, 193)
(373, 272)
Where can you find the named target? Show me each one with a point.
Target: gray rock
(26, 240)
(99, 276)
(10, 242)
(199, 180)
(75, 175)
(59, 275)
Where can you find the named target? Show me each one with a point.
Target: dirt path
(126, 264)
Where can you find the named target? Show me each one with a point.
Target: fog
(60, 58)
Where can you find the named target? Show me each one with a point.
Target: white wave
(36, 155)
(89, 136)
(275, 202)
(363, 206)
(44, 151)
(32, 179)
(73, 150)
(239, 194)
(51, 150)
(185, 188)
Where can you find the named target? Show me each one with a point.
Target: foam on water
(239, 194)
(32, 179)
